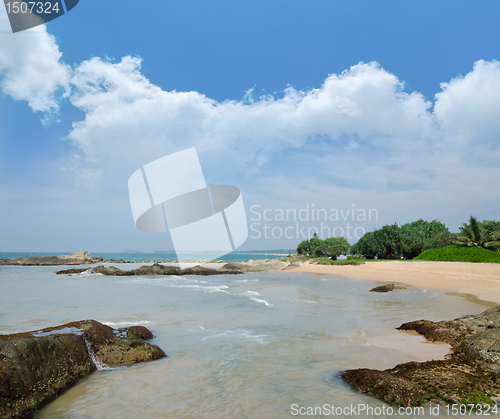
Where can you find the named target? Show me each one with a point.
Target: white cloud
(31, 67)
(400, 143)
(129, 121)
(360, 130)
(468, 108)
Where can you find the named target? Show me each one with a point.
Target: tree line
(406, 241)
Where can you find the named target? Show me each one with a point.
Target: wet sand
(479, 279)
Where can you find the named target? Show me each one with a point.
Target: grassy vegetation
(454, 253)
(328, 261)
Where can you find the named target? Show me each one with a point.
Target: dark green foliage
(331, 247)
(421, 235)
(484, 234)
(334, 247)
(454, 253)
(407, 241)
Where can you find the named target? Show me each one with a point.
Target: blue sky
(77, 118)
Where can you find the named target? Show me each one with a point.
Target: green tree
(311, 247)
(334, 247)
(478, 233)
(421, 235)
(408, 241)
(367, 246)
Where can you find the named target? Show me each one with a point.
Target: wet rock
(79, 258)
(256, 265)
(234, 267)
(37, 366)
(155, 269)
(455, 380)
(387, 288)
(470, 374)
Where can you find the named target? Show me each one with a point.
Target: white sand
(479, 279)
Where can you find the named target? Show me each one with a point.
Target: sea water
(257, 345)
(155, 256)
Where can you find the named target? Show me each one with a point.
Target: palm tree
(478, 234)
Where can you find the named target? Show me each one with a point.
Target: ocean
(257, 345)
(156, 256)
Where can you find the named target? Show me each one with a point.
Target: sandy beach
(479, 279)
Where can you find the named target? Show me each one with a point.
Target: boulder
(387, 288)
(37, 366)
(78, 258)
(469, 374)
(155, 269)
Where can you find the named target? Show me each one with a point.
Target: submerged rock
(79, 258)
(387, 288)
(469, 374)
(37, 366)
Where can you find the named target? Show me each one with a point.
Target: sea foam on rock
(37, 366)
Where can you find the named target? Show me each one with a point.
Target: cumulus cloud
(361, 127)
(31, 67)
(125, 111)
(469, 107)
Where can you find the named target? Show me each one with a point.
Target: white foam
(249, 293)
(238, 334)
(209, 289)
(88, 272)
(95, 359)
(112, 324)
(258, 300)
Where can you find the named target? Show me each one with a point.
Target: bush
(454, 253)
(407, 241)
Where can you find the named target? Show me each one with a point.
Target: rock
(235, 266)
(110, 270)
(470, 374)
(79, 258)
(456, 380)
(155, 269)
(293, 265)
(387, 288)
(37, 366)
(255, 265)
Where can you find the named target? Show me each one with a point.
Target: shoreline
(479, 279)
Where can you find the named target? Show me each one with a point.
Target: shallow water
(239, 346)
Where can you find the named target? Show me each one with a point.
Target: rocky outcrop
(469, 374)
(387, 288)
(155, 269)
(79, 258)
(37, 366)
(257, 265)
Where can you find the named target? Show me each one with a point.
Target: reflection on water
(244, 346)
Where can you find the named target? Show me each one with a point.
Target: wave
(88, 272)
(241, 334)
(258, 300)
(204, 288)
